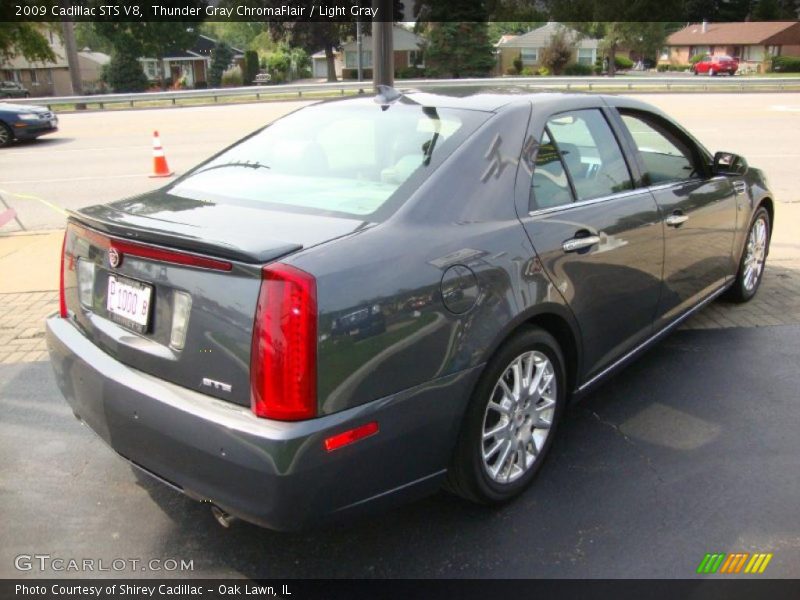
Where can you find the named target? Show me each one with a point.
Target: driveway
(693, 449)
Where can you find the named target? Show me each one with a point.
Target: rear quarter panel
(389, 277)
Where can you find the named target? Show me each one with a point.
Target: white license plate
(130, 301)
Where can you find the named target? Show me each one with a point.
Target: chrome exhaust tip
(221, 517)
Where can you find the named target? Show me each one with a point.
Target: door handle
(580, 243)
(676, 220)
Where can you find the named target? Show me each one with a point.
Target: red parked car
(713, 65)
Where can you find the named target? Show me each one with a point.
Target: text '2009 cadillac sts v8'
(370, 298)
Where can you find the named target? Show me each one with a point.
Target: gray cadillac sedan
(373, 297)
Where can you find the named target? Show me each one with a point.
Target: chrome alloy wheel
(5, 135)
(755, 254)
(518, 417)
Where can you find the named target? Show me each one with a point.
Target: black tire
(467, 476)
(742, 290)
(6, 135)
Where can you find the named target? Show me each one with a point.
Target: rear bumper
(272, 473)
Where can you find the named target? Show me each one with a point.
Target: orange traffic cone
(160, 168)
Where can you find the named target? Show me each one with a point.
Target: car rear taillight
(62, 300)
(283, 357)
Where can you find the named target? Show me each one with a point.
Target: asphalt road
(103, 156)
(692, 449)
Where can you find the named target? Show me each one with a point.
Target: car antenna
(386, 95)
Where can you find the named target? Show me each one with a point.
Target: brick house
(754, 43)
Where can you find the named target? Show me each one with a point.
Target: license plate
(128, 302)
(53, 122)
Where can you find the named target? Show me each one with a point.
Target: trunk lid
(185, 264)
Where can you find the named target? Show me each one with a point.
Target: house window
(695, 50)
(586, 56)
(415, 58)
(664, 55)
(774, 50)
(529, 56)
(49, 76)
(150, 69)
(34, 77)
(351, 59)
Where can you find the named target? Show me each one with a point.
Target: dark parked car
(504, 252)
(11, 89)
(714, 65)
(22, 122)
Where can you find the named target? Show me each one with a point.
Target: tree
(558, 52)
(87, 37)
(124, 72)
(313, 36)
(459, 49)
(24, 39)
(221, 57)
(151, 39)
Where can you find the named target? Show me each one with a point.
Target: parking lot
(693, 449)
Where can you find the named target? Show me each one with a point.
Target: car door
(598, 237)
(699, 211)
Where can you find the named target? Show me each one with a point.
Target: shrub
(232, 77)
(697, 58)
(786, 64)
(527, 72)
(578, 69)
(543, 71)
(221, 57)
(623, 62)
(517, 65)
(409, 73)
(278, 65)
(511, 71)
(556, 55)
(250, 66)
(663, 68)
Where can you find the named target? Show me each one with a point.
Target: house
(319, 64)
(754, 43)
(189, 66)
(408, 48)
(528, 47)
(52, 78)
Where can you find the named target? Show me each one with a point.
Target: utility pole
(383, 44)
(359, 48)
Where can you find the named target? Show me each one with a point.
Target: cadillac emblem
(114, 257)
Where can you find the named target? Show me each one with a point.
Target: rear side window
(666, 157)
(591, 154)
(549, 185)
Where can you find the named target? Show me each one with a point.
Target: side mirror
(728, 163)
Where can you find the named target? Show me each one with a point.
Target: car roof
(489, 98)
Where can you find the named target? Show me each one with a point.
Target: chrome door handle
(676, 220)
(580, 243)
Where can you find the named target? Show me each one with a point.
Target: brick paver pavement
(777, 303)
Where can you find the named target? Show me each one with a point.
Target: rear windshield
(351, 159)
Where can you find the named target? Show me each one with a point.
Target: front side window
(345, 159)
(666, 157)
(590, 153)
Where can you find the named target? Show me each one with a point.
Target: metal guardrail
(613, 84)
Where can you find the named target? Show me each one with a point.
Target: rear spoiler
(271, 249)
